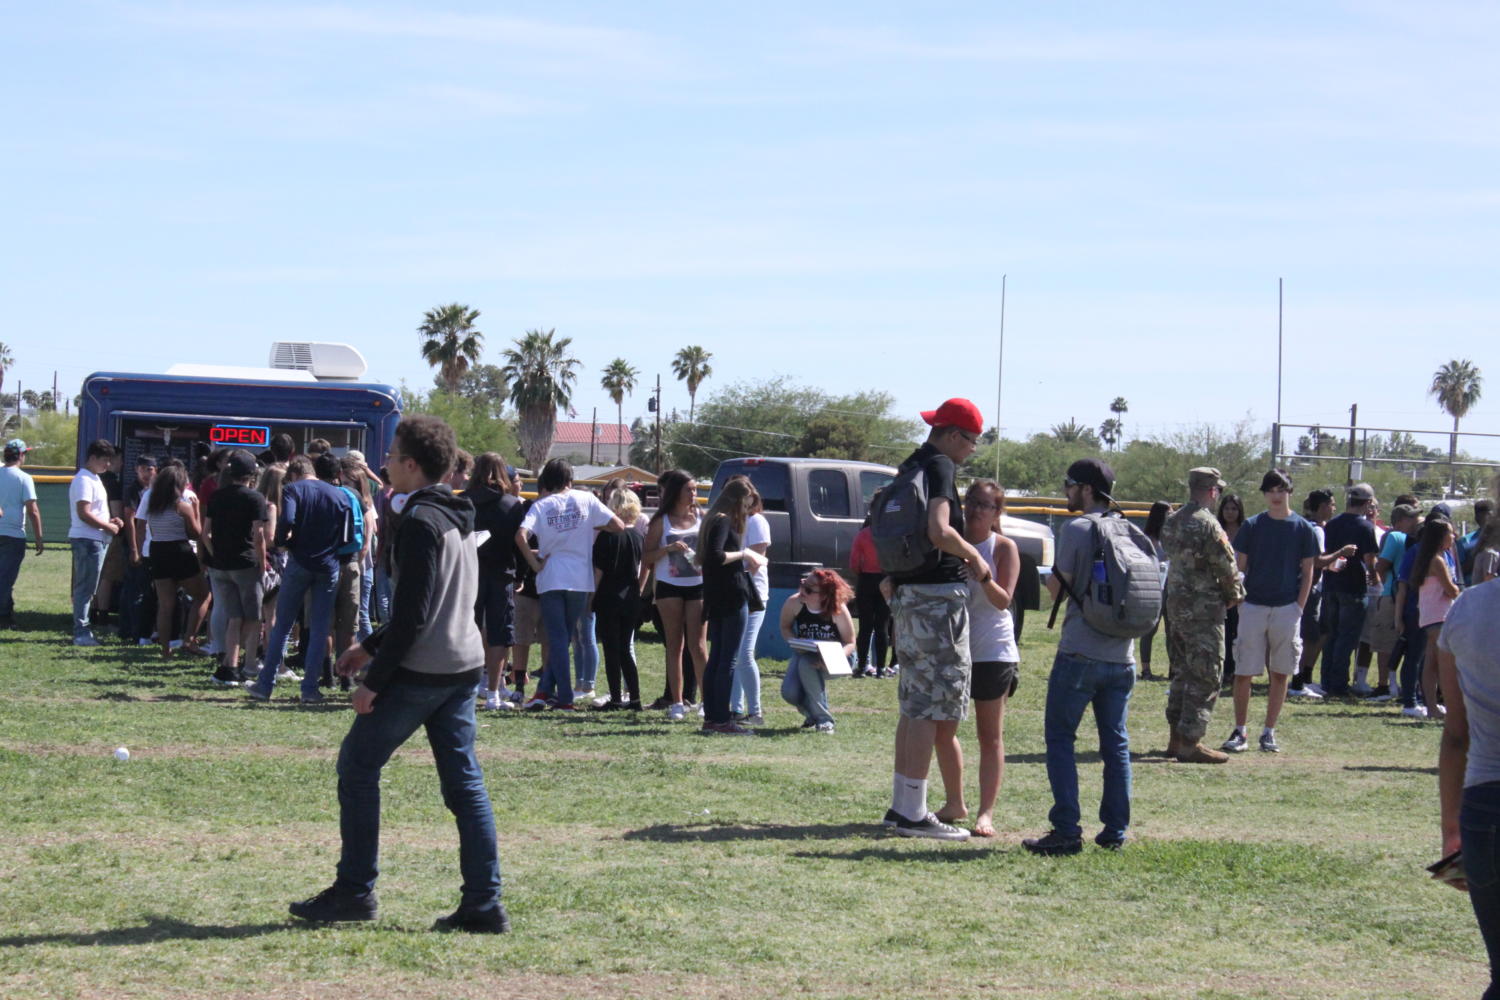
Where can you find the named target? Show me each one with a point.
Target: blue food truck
(309, 391)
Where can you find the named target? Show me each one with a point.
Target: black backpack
(898, 523)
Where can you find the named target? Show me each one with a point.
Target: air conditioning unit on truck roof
(327, 362)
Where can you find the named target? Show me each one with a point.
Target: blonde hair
(624, 503)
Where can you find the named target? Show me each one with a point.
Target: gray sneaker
(1236, 742)
(316, 698)
(1268, 743)
(929, 827)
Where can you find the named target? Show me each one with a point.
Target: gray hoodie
(431, 637)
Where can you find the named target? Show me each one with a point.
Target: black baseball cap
(1093, 472)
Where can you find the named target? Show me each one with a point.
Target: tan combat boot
(1200, 754)
(1174, 744)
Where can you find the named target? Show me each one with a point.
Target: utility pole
(1276, 427)
(656, 405)
(1353, 422)
(593, 435)
(1000, 378)
(54, 390)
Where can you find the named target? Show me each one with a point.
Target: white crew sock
(910, 798)
(1361, 674)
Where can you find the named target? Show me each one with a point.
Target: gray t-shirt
(1472, 634)
(1075, 557)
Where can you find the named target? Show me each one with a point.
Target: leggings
(615, 628)
(874, 621)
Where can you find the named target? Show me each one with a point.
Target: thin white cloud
(614, 45)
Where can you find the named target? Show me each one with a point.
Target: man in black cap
(1345, 586)
(1091, 668)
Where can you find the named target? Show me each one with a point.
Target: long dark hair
(1239, 505)
(1156, 519)
(489, 470)
(166, 487)
(733, 502)
(1434, 533)
(352, 475)
(673, 483)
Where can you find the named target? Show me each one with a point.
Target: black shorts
(993, 679)
(495, 611)
(665, 590)
(1313, 627)
(173, 561)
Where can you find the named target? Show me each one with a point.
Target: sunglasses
(1067, 481)
(809, 588)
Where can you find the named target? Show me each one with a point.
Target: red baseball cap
(960, 413)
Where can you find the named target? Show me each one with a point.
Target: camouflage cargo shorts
(932, 646)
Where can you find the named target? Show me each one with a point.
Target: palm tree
(1456, 386)
(691, 366)
(1119, 408)
(1071, 432)
(449, 341)
(541, 376)
(619, 381)
(6, 361)
(1110, 432)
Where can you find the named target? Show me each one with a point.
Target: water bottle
(1103, 593)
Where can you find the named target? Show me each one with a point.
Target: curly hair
(831, 589)
(430, 443)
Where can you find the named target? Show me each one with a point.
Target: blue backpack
(353, 538)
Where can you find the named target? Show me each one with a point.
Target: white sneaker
(492, 701)
(285, 674)
(1415, 712)
(676, 712)
(600, 701)
(1314, 690)
(583, 694)
(1442, 711)
(700, 711)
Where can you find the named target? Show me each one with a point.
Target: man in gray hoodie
(421, 669)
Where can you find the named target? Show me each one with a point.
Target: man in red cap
(930, 608)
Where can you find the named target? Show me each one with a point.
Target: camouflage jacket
(1204, 576)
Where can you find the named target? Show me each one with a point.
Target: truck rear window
(770, 479)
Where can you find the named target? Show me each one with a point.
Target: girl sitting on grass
(816, 611)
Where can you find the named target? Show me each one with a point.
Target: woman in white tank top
(679, 587)
(995, 658)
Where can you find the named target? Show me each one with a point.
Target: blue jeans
(1343, 620)
(12, 551)
(562, 618)
(380, 597)
(1413, 647)
(447, 712)
(1076, 683)
(88, 560)
(744, 692)
(805, 687)
(366, 588)
(296, 583)
(586, 652)
(1479, 827)
(725, 633)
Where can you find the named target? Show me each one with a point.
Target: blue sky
(827, 191)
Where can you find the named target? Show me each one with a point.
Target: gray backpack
(898, 523)
(1122, 594)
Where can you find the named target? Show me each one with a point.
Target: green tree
(691, 366)
(619, 381)
(1073, 432)
(484, 383)
(1456, 387)
(450, 342)
(52, 436)
(476, 426)
(541, 375)
(1119, 408)
(1110, 432)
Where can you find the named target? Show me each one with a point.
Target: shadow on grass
(947, 855)
(1391, 768)
(709, 833)
(156, 928)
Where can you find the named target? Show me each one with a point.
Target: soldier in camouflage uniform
(1201, 585)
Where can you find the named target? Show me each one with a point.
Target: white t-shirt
(757, 532)
(87, 487)
(992, 637)
(564, 526)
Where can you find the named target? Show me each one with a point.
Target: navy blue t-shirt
(313, 514)
(1274, 550)
(1344, 530)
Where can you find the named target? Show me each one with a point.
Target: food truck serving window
(239, 436)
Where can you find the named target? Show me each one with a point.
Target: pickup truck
(816, 506)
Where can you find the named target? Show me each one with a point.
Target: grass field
(642, 859)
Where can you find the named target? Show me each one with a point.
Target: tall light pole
(1000, 378)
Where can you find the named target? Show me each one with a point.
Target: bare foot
(984, 826)
(952, 814)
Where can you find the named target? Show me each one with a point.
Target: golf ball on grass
(121, 753)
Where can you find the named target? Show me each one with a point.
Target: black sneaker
(1268, 743)
(892, 817)
(490, 921)
(333, 905)
(928, 827)
(1236, 742)
(226, 677)
(1053, 844)
(1110, 844)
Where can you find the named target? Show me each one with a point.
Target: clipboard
(831, 656)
